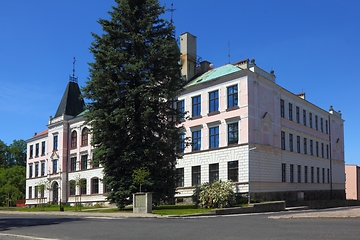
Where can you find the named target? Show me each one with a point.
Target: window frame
(233, 171)
(214, 134)
(196, 106)
(196, 175)
(214, 101)
(232, 96)
(213, 172)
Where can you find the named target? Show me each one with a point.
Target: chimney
(204, 67)
(188, 55)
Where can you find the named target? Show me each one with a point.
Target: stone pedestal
(142, 202)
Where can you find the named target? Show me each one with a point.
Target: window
(213, 101)
(196, 106)
(283, 172)
(73, 139)
(291, 142)
(282, 108)
(311, 148)
(37, 150)
(30, 192)
(42, 191)
(214, 137)
(317, 148)
(179, 177)
(312, 174)
(310, 120)
(232, 96)
(327, 151)
(196, 175)
(316, 122)
(318, 175)
(55, 166)
(30, 170)
(42, 168)
(72, 186)
(55, 142)
(305, 146)
(94, 186)
(36, 169)
(43, 148)
(196, 140)
(297, 114)
(84, 161)
(299, 173)
(233, 171)
(180, 105)
(321, 125)
(304, 117)
(326, 127)
(31, 151)
(328, 176)
(181, 146)
(83, 186)
(85, 137)
(322, 150)
(283, 140)
(73, 164)
(213, 172)
(298, 144)
(290, 112)
(323, 175)
(291, 172)
(36, 191)
(233, 133)
(306, 174)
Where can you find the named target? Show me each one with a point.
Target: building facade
(273, 144)
(244, 127)
(59, 160)
(352, 184)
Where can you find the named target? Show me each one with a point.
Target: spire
(73, 78)
(72, 102)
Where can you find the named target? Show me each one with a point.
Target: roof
(71, 103)
(214, 74)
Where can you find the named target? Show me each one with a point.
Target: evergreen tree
(133, 84)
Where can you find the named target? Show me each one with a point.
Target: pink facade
(352, 184)
(284, 147)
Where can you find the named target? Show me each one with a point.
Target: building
(275, 145)
(59, 160)
(272, 143)
(352, 184)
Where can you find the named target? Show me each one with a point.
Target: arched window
(84, 137)
(72, 187)
(83, 186)
(94, 185)
(73, 139)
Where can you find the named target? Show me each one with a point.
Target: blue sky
(312, 45)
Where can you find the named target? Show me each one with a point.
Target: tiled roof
(40, 134)
(214, 74)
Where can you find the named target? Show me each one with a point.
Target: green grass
(160, 210)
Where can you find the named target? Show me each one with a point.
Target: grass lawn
(160, 210)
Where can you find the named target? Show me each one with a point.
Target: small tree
(216, 195)
(139, 175)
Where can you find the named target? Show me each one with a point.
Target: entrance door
(55, 193)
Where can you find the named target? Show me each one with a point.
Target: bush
(216, 195)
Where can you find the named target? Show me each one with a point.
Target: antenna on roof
(73, 78)
(171, 10)
(229, 51)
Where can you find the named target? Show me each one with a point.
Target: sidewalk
(342, 212)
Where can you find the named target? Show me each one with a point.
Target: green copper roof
(214, 74)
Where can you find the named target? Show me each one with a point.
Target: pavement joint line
(26, 237)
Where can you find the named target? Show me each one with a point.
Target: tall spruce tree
(133, 83)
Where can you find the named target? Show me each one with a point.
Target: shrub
(216, 195)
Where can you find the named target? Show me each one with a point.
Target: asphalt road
(252, 226)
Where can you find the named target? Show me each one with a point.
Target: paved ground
(343, 212)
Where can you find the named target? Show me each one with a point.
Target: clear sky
(312, 45)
